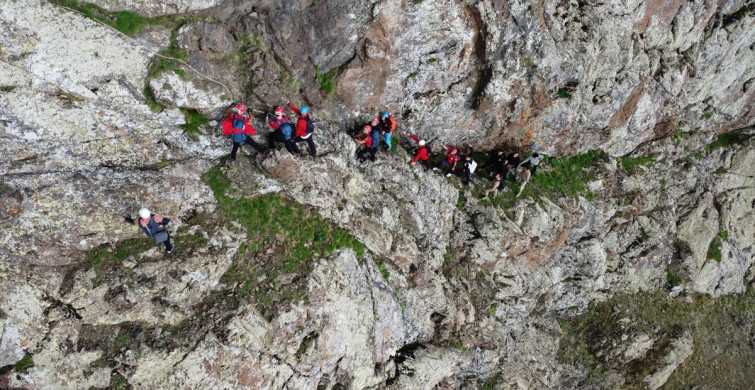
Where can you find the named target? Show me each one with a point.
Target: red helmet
(454, 151)
(368, 128)
(375, 121)
(240, 109)
(278, 111)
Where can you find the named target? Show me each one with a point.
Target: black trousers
(310, 144)
(248, 141)
(365, 150)
(277, 136)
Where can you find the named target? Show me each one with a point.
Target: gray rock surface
(452, 291)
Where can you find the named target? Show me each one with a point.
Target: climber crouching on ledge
(154, 226)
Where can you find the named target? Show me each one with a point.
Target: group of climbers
(385, 125)
(238, 126)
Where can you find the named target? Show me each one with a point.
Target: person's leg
(388, 140)
(467, 174)
(256, 146)
(234, 150)
(168, 245)
(534, 169)
(442, 165)
(291, 147)
(373, 151)
(312, 146)
(271, 140)
(361, 153)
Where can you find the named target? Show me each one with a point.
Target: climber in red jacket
(422, 151)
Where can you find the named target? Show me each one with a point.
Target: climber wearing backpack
(469, 167)
(304, 128)
(451, 160)
(423, 152)
(282, 132)
(387, 126)
(368, 140)
(154, 226)
(237, 126)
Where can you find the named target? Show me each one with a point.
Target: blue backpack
(375, 138)
(285, 128)
(238, 122)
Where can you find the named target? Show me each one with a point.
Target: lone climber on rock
(154, 226)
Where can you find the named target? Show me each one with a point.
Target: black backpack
(429, 151)
(310, 125)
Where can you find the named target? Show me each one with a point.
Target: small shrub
(728, 139)
(563, 92)
(383, 270)
(23, 365)
(194, 120)
(673, 279)
(326, 80)
(413, 75)
(630, 164)
(714, 249)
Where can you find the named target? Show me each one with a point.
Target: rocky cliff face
(323, 273)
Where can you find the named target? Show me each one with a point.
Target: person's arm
(294, 109)
(267, 120)
(128, 220)
(416, 158)
(161, 220)
(414, 137)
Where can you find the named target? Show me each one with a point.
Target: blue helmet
(385, 114)
(304, 110)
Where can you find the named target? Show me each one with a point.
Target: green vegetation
(106, 262)
(677, 136)
(493, 382)
(284, 240)
(461, 201)
(432, 60)
(673, 278)
(383, 270)
(126, 22)
(118, 382)
(122, 340)
(630, 164)
(23, 365)
(714, 249)
(194, 120)
(721, 330)
(326, 80)
(413, 75)
(563, 92)
(160, 64)
(728, 139)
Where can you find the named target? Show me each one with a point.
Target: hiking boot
(449, 174)
(435, 169)
(231, 162)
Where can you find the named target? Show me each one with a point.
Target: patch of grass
(126, 22)
(118, 382)
(714, 249)
(461, 201)
(161, 64)
(383, 270)
(728, 139)
(432, 60)
(400, 301)
(677, 136)
(573, 308)
(493, 309)
(721, 330)
(493, 382)
(149, 97)
(720, 171)
(567, 176)
(123, 340)
(326, 80)
(106, 262)
(194, 120)
(284, 239)
(673, 278)
(563, 92)
(413, 75)
(630, 164)
(23, 365)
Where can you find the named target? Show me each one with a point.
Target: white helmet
(144, 213)
(421, 142)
